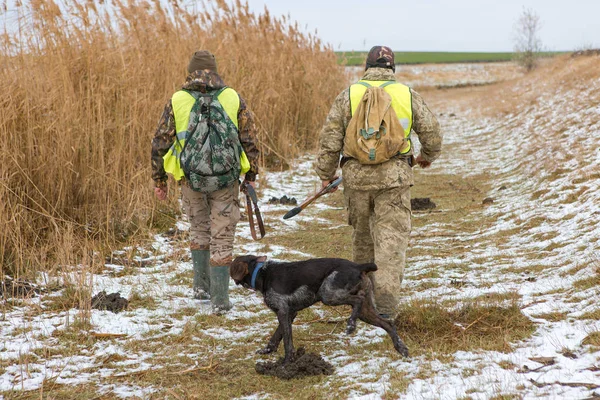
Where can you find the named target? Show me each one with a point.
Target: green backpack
(210, 158)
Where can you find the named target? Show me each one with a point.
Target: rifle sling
(250, 202)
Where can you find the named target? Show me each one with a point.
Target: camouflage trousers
(382, 222)
(213, 218)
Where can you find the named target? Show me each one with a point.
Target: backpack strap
(365, 84)
(193, 93)
(213, 93)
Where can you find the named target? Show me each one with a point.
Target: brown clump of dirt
(422, 203)
(283, 200)
(303, 364)
(111, 302)
(18, 288)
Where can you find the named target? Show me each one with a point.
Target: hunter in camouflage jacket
(201, 81)
(380, 176)
(378, 196)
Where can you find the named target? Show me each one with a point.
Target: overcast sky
(440, 25)
(432, 25)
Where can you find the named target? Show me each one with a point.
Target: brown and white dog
(289, 287)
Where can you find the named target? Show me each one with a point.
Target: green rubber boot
(219, 289)
(201, 287)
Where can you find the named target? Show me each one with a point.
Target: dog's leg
(369, 314)
(332, 294)
(356, 302)
(334, 298)
(284, 317)
(273, 344)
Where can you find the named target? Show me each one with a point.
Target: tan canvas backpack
(374, 134)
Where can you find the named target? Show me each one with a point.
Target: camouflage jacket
(165, 133)
(393, 173)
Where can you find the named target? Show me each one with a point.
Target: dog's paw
(403, 350)
(350, 328)
(266, 350)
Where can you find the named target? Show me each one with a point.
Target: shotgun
(296, 210)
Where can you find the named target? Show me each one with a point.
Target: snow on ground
(569, 253)
(568, 222)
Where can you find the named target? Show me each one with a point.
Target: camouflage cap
(381, 56)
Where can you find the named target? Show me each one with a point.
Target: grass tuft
(430, 328)
(593, 339)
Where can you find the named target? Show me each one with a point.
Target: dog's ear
(238, 270)
(261, 259)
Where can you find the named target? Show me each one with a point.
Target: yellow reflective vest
(182, 103)
(401, 103)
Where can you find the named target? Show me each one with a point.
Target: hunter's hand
(326, 182)
(423, 163)
(160, 193)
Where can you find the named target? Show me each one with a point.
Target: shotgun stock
(296, 210)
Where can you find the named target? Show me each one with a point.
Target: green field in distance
(426, 57)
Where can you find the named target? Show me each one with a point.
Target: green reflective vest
(401, 103)
(182, 103)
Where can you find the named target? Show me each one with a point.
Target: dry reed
(83, 86)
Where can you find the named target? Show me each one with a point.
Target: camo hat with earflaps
(381, 56)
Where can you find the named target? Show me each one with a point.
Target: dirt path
(447, 243)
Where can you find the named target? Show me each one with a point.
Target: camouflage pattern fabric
(378, 196)
(201, 81)
(382, 224)
(381, 176)
(380, 56)
(213, 218)
(211, 154)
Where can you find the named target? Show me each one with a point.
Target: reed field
(84, 85)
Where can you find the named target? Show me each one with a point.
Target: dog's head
(242, 268)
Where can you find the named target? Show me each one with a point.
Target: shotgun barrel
(296, 210)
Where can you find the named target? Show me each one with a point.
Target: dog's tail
(368, 267)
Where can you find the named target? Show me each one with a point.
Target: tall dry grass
(83, 85)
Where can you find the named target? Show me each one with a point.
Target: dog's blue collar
(258, 267)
